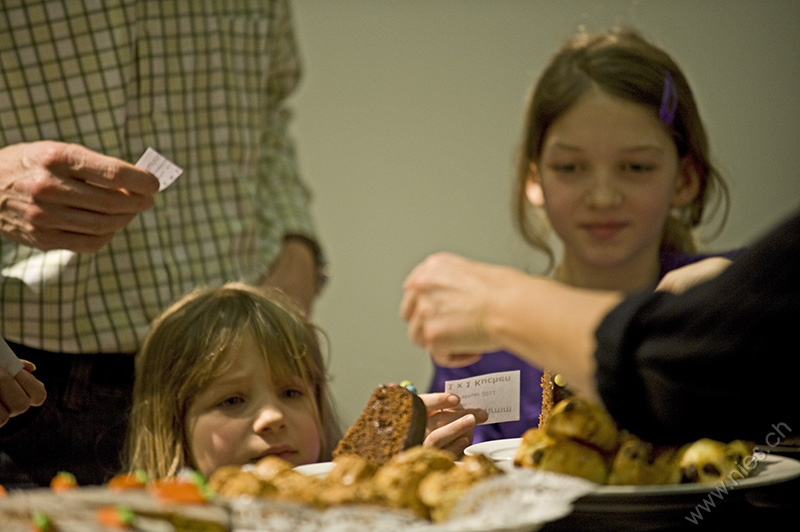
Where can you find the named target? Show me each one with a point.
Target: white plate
(497, 450)
(772, 469)
(316, 470)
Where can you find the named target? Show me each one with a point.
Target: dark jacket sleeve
(720, 361)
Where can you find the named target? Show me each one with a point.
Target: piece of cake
(393, 420)
(554, 390)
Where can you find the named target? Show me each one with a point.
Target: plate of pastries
(579, 438)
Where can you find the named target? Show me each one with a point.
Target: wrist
(321, 267)
(505, 316)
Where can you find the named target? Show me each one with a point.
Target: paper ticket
(497, 393)
(165, 170)
(8, 360)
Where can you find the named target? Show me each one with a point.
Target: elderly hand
(55, 195)
(447, 302)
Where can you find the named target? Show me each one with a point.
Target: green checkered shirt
(204, 83)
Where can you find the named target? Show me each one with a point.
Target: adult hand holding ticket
(57, 195)
(19, 389)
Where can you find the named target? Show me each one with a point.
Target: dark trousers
(81, 427)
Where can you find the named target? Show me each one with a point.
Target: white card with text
(165, 170)
(497, 393)
(8, 360)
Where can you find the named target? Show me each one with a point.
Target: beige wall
(408, 119)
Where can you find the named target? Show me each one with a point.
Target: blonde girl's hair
(187, 347)
(621, 63)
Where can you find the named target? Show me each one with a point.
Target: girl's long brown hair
(621, 63)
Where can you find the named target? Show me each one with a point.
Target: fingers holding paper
(20, 392)
(450, 425)
(55, 195)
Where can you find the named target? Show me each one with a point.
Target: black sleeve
(720, 361)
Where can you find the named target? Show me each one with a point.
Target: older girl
(614, 158)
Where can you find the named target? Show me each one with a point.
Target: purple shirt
(530, 394)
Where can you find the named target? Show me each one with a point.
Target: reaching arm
(456, 308)
(713, 362)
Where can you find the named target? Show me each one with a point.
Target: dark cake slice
(393, 420)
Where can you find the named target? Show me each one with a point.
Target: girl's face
(242, 417)
(607, 177)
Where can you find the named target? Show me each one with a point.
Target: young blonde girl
(228, 375)
(195, 343)
(615, 158)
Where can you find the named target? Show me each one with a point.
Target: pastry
(398, 479)
(441, 490)
(349, 482)
(270, 466)
(538, 450)
(233, 481)
(640, 463)
(349, 469)
(709, 460)
(585, 422)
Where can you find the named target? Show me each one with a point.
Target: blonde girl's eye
(231, 401)
(293, 392)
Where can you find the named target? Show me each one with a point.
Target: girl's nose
(603, 193)
(269, 418)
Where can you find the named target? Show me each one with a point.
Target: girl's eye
(231, 401)
(293, 393)
(638, 168)
(566, 168)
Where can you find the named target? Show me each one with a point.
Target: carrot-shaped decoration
(63, 481)
(128, 481)
(177, 490)
(115, 516)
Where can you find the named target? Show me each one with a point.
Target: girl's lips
(604, 230)
(281, 451)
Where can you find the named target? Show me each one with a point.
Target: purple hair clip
(669, 100)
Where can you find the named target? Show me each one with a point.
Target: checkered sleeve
(284, 199)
